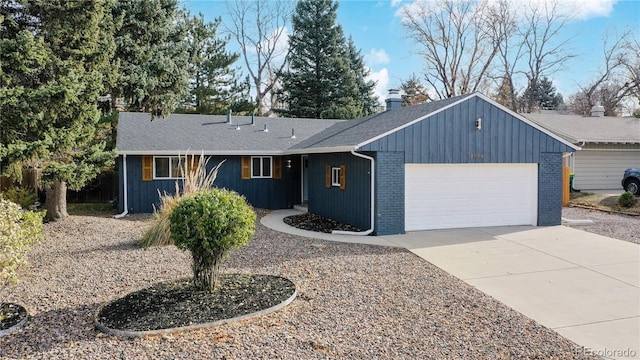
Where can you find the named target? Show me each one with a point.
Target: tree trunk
(206, 271)
(56, 203)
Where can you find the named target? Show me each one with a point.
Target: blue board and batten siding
(450, 137)
(351, 205)
(261, 193)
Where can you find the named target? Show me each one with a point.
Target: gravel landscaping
(354, 301)
(623, 227)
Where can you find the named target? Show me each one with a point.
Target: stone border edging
(16, 326)
(139, 334)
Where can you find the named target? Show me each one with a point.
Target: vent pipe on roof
(597, 110)
(253, 119)
(394, 100)
(228, 116)
(265, 128)
(238, 126)
(293, 133)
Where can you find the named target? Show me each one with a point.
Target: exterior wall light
(288, 164)
(479, 123)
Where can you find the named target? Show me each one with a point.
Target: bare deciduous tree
(502, 26)
(259, 27)
(457, 50)
(617, 80)
(545, 53)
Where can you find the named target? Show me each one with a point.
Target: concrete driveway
(582, 285)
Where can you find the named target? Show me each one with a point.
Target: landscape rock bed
(622, 227)
(354, 301)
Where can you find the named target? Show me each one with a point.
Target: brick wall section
(389, 193)
(550, 189)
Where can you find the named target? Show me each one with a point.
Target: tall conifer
(319, 82)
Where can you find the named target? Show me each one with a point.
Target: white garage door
(444, 196)
(602, 169)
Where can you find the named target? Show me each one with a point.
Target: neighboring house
(608, 146)
(459, 162)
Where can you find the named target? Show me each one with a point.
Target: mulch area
(318, 223)
(11, 314)
(176, 303)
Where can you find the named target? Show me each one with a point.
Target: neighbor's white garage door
(444, 196)
(602, 169)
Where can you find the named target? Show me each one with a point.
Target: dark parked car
(631, 181)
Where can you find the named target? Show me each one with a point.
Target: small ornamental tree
(210, 224)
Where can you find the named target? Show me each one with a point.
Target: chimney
(228, 116)
(597, 110)
(253, 119)
(394, 100)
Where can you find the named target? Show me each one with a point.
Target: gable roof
(353, 134)
(211, 134)
(579, 129)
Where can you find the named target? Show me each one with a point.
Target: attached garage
(442, 196)
(460, 162)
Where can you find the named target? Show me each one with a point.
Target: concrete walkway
(584, 286)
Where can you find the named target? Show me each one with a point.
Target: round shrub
(210, 224)
(18, 231)
(626, 199)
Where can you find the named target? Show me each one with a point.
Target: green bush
(195, 178)
(18, 231)
(210, 224)
(20, 196)
(626, 199)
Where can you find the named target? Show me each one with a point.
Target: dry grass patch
(603, 202)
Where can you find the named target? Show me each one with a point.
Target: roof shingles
(137, 134)
(578, 129)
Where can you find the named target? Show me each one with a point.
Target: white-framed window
(336, 173)
(166, 167)
(262, 167)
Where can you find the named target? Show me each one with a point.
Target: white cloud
(395, 3)
(575, 9)
(376, 57)
(382, 83)
(587, 9)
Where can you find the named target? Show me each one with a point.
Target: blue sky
(376, 28)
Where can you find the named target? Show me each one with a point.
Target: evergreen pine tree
(366, 87)
(152, 55)
(544, 95)
(214, 86)
(319, 82)
(66, 54)
(414, 91)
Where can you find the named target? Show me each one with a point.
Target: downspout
(124, 185)
(373, 198)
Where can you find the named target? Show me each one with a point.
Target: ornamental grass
(194, 177)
